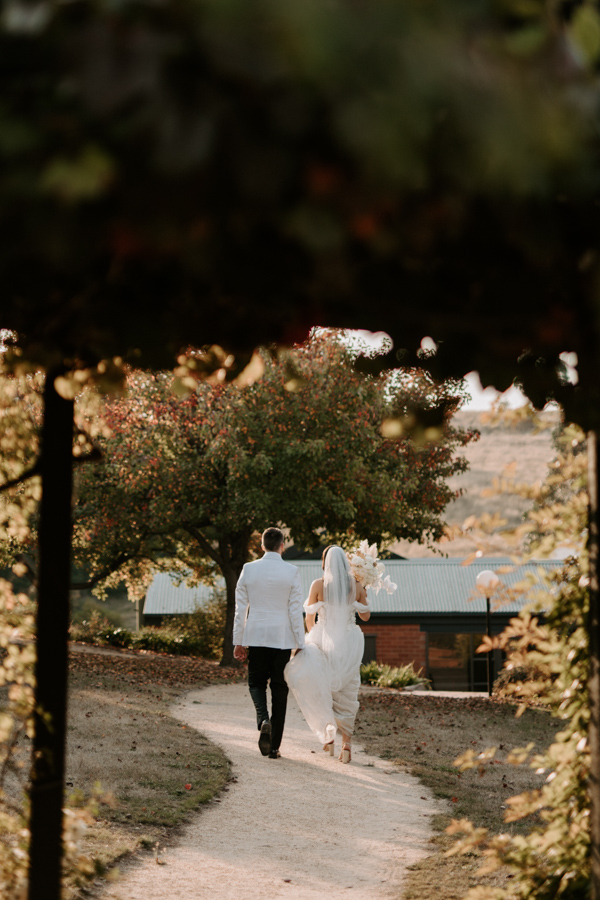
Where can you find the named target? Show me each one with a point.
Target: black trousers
(267, 664)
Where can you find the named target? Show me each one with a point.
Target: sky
(483, 399)
(480, 399)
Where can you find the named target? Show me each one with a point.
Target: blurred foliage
(19, 433)
(212, 172)
(18, 447)
(547, 663)
(209, 172)
(17, 655)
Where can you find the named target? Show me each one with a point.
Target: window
(453, 665)
(370, 654)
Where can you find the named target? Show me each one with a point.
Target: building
(436, 616)
(167, 598)
(434, 619)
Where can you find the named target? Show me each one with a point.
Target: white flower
(389, 586)
(367, 568)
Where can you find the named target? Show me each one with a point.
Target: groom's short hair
(272, 539)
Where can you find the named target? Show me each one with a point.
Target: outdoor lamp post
(487, 582)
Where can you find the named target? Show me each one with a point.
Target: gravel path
(303, 827)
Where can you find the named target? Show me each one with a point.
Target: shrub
(550, 665)
(198, 634)
(92, 630)
(165, 640)
(119, 637)
(382, 675)
(207, 625)
(83, 612)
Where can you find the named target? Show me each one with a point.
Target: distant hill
(529, 451)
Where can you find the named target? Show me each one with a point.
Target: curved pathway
(303, 827)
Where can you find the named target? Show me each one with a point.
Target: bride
(325, 676)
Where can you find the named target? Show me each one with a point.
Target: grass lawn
(121, 735)
(424, 735)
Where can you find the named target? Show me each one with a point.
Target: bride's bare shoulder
(316, 590)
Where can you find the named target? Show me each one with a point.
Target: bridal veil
(325, 676)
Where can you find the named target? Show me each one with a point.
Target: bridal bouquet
(368, 570)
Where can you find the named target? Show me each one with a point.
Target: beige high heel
(329, 748)
(346, 754)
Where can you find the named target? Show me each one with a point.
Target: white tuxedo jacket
(268, 605)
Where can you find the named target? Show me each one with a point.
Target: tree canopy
(187, 483)
(209, 172)
(202, 172)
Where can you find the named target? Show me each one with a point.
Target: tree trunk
(231, 573)
(48, 763)
(233, 554)
(594, 654)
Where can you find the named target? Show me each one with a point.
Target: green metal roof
(447, 586)
(166, 598)
(424, 586)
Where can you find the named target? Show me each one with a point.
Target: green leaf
(585, 32)
(80, 178)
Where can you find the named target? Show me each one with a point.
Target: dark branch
(24, 476)
(94, 455)
(103, 573)
(206, 545)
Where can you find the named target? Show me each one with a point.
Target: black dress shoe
(264, 741)
(274, 754)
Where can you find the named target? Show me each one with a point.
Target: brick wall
(398, 645)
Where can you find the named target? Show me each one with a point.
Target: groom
(268, 621)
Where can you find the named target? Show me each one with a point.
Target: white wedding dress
(325, 676)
